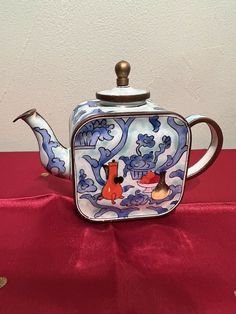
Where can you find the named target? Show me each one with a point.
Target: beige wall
(55, 54)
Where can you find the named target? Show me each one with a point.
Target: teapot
(128, 157)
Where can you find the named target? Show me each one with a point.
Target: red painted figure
(112, 189)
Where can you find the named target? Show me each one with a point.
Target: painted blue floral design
(127, 188)
(134, 200)
(155, 123)
(81, 110)
(93, 131)
(165, 144)
(178, 173)
(48, 145)
(131, 203)
(85, 184)
(78, 113)
(182, 132)
(103, 209)
(107, 154)
(138, 165)
(144, 140)
(92, 103)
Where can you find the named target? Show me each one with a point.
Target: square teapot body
(127, 161)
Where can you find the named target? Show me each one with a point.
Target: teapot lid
(123, 93)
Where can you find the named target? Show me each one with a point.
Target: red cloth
(56, 262)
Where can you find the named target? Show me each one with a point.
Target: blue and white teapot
(128, 157)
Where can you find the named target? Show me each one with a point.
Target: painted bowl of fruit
(149, 181)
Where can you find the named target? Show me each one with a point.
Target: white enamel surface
(123, 105)
(138, 126)
(206, 158)
(83, 109)
(123, 91)
(60, 152)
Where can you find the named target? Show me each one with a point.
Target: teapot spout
(54, 156)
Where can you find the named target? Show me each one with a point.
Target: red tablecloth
(56, 262)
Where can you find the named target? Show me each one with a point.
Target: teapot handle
(214, 148)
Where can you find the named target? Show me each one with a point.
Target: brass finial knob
(122, 69)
